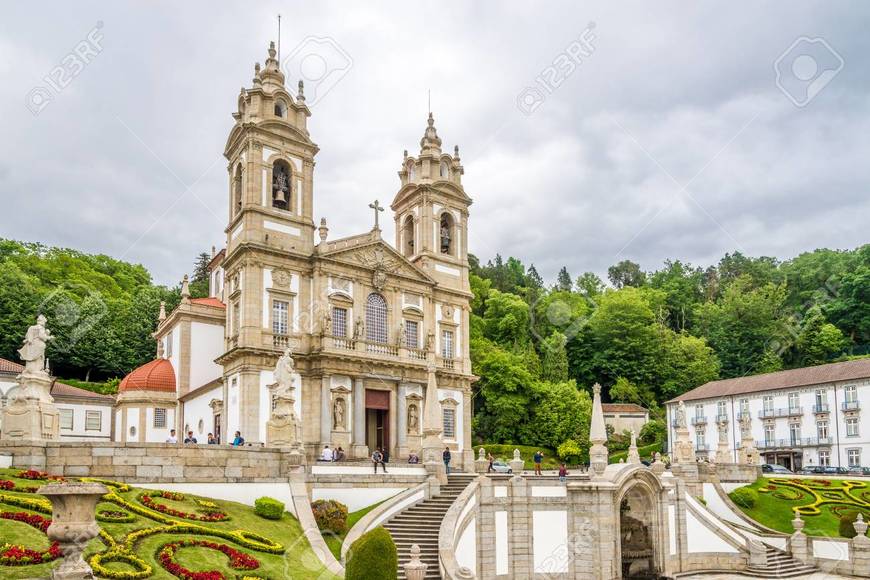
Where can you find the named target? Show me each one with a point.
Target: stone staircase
(419, 524)
(780, 565)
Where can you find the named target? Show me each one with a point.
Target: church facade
(370, 324)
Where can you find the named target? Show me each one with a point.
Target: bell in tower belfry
(431, 211)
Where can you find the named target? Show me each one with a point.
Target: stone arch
(408, 241)
(282, 179)
(447, 233)
(641, 530)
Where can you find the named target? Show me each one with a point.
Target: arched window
(280, 108)
(408, 235)
(281, 175)
(376, 319)
(237, 189)
(447, 234)
(445, 171)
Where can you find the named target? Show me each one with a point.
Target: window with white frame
(721, 409)
(767, 401)
(821, 398)
(852, 427)
(795, 433)
(822, 429)
(449, 417)
(699, 411)
(159, 418)
(744, 406)
(446, 343)
(700, 443)
(768, 434)
(93, 420)
(825, 458)
(376, 318)
(339, 321)
(66, 419)
(854, 457)
(280, 317)
(851, 393)
(412, 334)
(793, 401)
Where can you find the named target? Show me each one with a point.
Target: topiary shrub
(372, 557)
(744, 497)
(269, 508)
(847, 521)
(330, 515)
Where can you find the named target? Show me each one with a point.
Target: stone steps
(779, 565)
(420, 524)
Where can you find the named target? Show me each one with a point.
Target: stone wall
(728, 472)
(151, 462)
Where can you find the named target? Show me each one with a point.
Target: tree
(554, 358)
(819, 341)
(506, 319)
(684, 289)
(626, 273)
(563, 280)
(850, 310)
(589, 285)
(561, 412)
(534, 279)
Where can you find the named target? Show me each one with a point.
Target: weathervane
(376, 207)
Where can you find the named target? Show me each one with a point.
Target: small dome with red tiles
(157, 375)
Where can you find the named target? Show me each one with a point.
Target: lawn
(818, 500)
(334, 541)
(278, 547)
(505, 452)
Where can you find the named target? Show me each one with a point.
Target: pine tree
(534, 279)
(200, 267)
(563, 280)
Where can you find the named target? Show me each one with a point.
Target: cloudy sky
(589, 133)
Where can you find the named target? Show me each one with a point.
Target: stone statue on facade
(633, 454)
(413, 418)
(684, 450)
(33, 351)
(723, 452)
(326, 325)
(445, 238)
(338, 414)
(430, 341)
(283, 428)
(681, 415)
(400, 336)
(359, 329)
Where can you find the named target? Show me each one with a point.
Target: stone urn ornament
(73, 524)
(415, 569)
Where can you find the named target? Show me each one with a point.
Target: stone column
(73, 525)
(402, 422)
(325, 411)
(598, 456)
(485, 530)
(359, 448)
(798, 541)
(860, 548)
(520, 531)
(432, 430)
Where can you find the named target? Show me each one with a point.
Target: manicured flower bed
(238, 560)
(147, 499)
(14, 555)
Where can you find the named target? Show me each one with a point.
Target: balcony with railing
(743, 414)
(446, 363)
(382, 348)
(786, 412)
(701, 447)
(697, 420)
(791, 443)
(821, 408)
(851, 406)
(721, 418)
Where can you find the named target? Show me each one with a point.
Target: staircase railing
(455, 521)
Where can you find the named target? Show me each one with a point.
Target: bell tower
(431, 212)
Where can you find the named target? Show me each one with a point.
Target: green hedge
(744, 497)
(330, 515)
(269, 508)
(373, 557)
(847, 524)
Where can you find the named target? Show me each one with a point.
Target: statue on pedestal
(723, 452)
(33, 351)
(684, 450)
(283, 428)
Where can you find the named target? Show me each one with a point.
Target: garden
(827, 506)
(159, 535)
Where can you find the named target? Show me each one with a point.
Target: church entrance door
(377, 419)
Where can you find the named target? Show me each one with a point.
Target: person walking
(446, 458)
(489, 467)
(538, 459)
(563, 473)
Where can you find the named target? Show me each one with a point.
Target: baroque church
(372, 326)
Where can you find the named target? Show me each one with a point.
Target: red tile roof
(64, 390)
(7, 366)
(157, 375)
(210, 301)
(818, 375)
(622, 408)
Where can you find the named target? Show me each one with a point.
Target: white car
(500, 466)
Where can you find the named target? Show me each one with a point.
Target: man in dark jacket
(446, 457)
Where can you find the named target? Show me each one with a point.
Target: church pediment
(381, 259)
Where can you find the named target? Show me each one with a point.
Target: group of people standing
(190, 439)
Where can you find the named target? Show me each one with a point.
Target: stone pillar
(73, 525)
(325, 411)
(415, 569)
(432, 429)
(598, 456)
(517, 464)
(633, 455)
(860, 549)
(359, 448)
(402, 422)
(485, 530)
(798, 541)
(520, 531)
(757, 554)
(32, 414)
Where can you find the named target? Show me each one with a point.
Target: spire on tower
(430, 143)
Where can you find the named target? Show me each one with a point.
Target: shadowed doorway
(377, 419)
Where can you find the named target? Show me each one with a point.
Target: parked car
(813, 470)
(856, 470)
(830, 470)
(501, 467)
(774, 468)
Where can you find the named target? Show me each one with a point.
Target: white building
(84, 415)
(800, 417)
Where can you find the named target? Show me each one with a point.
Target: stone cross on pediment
(377, 208)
